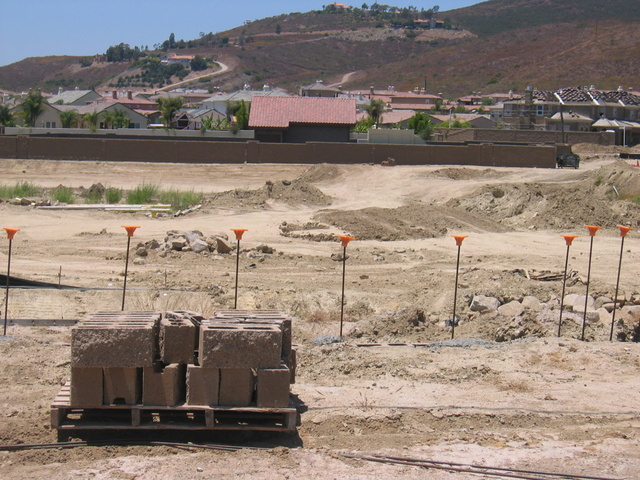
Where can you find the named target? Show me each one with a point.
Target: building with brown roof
(302, 119)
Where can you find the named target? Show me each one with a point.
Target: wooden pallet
(66, 417)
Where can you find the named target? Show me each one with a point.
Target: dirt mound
(465, 173)
(622, 175)
(320, 173)
(296, 192)
(591, 201)
(406, 222)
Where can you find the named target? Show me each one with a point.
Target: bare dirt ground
(537, 403)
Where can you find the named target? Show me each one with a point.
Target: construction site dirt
(505, 392)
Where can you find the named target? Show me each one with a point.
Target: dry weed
(518, 386)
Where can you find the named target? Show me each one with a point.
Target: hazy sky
(35, 28)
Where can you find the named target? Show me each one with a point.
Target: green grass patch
(94, 197)
(179, 199)
(63, 194)
(143, 193)
(113, 195)
(19, 189)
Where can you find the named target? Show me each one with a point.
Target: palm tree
(375, 109)
(91, 119)
(109, 118)
(69, 118)
(168, 108)
(32, 107)
(120, 119)
(6, 116)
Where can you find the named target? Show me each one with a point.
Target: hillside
(498, 45)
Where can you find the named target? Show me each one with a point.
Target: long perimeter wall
(177, 151)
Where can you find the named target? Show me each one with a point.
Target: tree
(422, 125)
(115, 119)
(6, 116)
(242, 116)
(363, 125)
(69, 118)
(375, 109)
(278, 29)
(32, 107)
(198, 63)
(91, 119)
(168, 108)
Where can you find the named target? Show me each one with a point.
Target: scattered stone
(138, 261)
(141, 252)
(601, 301)
(199, 246)
(177, 243)
(265, 249)
(532, 303)
(223, 246)
(483, 304)
(326, 340)
(520, 327)
(511, 309)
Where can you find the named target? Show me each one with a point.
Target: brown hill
(498, 45)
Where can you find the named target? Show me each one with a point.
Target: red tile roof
(280, 112)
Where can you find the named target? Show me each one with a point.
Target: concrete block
(178, 340)
(86, 386)
(260, 317)
(272, 388)
(202, 385)
(240, 346)
(122, 385)
(236, 387)
(163, 386)
(118, 339)
(291, 362)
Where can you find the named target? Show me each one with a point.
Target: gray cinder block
(236, 387)
(240, 346)
(272, 388)
(119, 339)
(202, 385)
(177, 340)
(86, 386)
(122, 385)
(163, 386)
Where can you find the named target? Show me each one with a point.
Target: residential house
(192, 118)
(475, 120)
(391, 118)
(302, 119)
(319, 89)
(74, 97)
(538, 109)
(220, 101)
(129, 100)
(49, 118)
(136, 118)
(184, 60)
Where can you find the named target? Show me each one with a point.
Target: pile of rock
(192, 241)
(235, 358)
(528, 316)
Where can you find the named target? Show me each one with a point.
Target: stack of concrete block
(250, 352)
(235, 358)
(109, 350)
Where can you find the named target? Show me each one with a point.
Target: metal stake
(623, 233)
(459, 239)
(239, 232)
(345, 241)
(10, 234)
(130, 229)
(592, 233)
(568, 239)
(235, 300)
